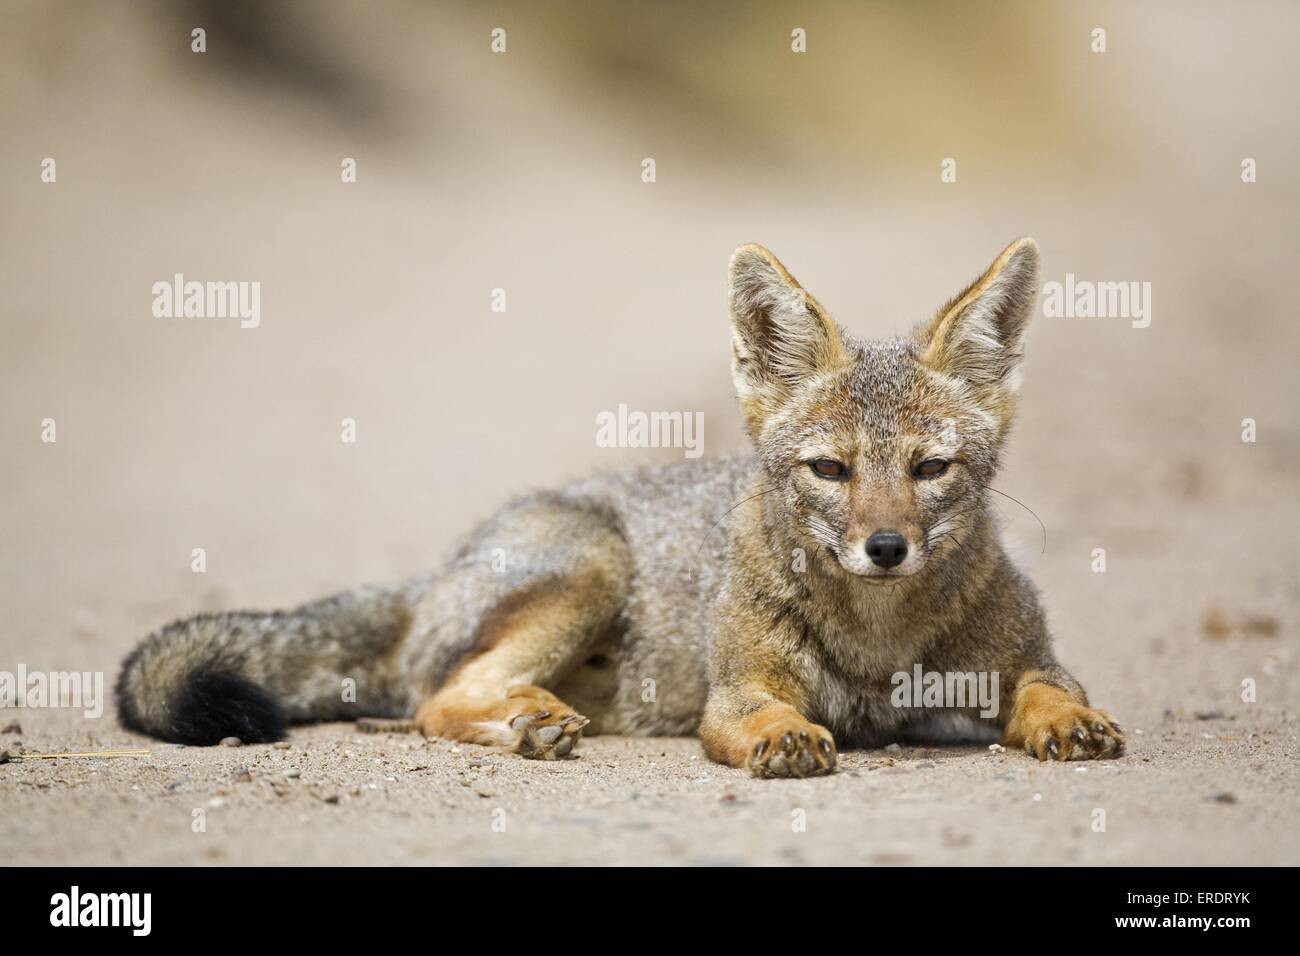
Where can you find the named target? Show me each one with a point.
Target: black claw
(1099, 727)
(787, 743)
(761, 748)
(825, 745)
(1052, 747)
(1079, 734)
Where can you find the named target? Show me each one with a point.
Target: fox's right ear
(780, 335)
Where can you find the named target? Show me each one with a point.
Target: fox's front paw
(791, 747)
(1070, 731)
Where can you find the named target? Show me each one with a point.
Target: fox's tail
(249, 675)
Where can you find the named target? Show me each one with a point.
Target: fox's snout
(886, 549)
(891, 550)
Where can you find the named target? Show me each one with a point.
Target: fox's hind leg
(571, 578)
(529, 720)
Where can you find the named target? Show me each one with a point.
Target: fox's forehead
(883, 407)
(888, 397)
(884, 400)
(883, 375)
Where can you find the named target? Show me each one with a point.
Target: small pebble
(893, 749)
(293, 773)
(956, 838)
(1224, 797)
(281, 745)
(997, 749)
(231, 742)
(243, 775)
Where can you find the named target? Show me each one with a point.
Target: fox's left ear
(978, 336)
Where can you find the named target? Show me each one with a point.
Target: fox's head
(878, 453)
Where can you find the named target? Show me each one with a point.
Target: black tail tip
(211, 706)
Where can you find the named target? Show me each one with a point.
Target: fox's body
(765, 601)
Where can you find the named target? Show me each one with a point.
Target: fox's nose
(886, 548)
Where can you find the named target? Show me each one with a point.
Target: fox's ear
(978, 336)
(780, 335)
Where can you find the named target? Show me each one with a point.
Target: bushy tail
(249, 675)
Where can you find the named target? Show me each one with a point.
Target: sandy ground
(479, 173)
(1208, 792)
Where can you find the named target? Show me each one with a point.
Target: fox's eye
(829, 469)
(930, 468)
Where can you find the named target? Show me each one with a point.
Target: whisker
(823, 533)
(959, 513)
(705, 539)
(946, 524)
(817, 542)
(1030, 510)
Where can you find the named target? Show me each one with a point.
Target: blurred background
(522, 171)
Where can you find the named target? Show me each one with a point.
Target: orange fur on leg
(1051, 724)
(773, 741)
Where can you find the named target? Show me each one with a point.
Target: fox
(763, 601)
